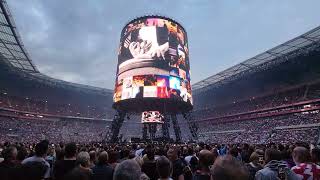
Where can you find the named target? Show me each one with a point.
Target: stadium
(277, 100)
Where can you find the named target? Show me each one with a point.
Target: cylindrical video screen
(153, 64)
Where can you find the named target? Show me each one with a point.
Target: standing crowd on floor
(193, 161)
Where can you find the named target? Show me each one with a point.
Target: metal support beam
(176, 127)
(165, 127)
(115, 127)
(193, 126)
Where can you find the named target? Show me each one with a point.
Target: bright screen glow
(153, 61)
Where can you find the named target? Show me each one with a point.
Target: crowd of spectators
(37, 106)
(55, 130)
(280, 129)
(193, 161)
(268, 100)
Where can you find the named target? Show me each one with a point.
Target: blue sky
(77, 40)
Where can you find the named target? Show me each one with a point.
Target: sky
(77, 40)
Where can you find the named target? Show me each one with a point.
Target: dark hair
(113, 156)
(164, 167)
(150, 153)
(272, 154)
(93, 156)
(7, 153)
(234, 152)
(194, 163)
(70, 150)
(125, 152)
(41, 148)
(315, 155)
(22, 153)
(190, 151)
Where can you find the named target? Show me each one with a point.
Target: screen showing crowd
(158, 41)
(153, 61)
(153, 86)
(152, 117)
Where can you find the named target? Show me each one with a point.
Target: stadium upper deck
(279, 54)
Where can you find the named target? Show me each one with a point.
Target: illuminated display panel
(153, 61)
(152, 117)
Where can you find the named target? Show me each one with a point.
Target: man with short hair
(229, 168)
(41, 150)
(8, 165)
(82, 171)
(305, 169)
(62, 167)
(127, 170)
(206, 159)
(149, 164)
(177, 164)
(190, 155)
(164, 168)
(102, 170)
(274, 168)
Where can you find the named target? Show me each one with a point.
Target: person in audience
(234, 151)
(8, 167)
(164, 168)
(190, 154)
(125, 154)
(149, 164)
(113, 158)
(194, 164)
(139, 151)
(93, 158)
(206, 159)
(304, 168)
(245, 153)
(177, 164)
(102, 170)
(82, 170)
(62, 167)
(315, 156)
(37, 161)
(127, 170)
(274, 168)
(34, 170)
(22, 154)
(228, 168)
(254, 165)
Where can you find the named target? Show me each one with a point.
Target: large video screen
(152, 117)
(153, 61)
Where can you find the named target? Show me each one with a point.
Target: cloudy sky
(76, 40)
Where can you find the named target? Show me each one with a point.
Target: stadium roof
(11, 46)
(275, 55)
